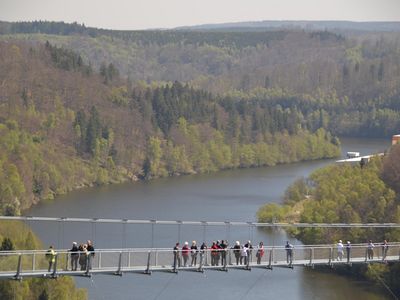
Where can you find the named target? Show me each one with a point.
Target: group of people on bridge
(82, 254)
(369, 253)
(218, 252)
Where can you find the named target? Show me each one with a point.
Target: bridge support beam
(201, 269)
(19, 268)
(148, 271)
(119, 270)
(271, 259)
(54, 274)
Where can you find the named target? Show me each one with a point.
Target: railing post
(129, 259)
(66, 262)
(88, 262)
(270, 260)
(200, 269)
(175, 270)
(148, 271)
(54, 274)
(330, 256)
(224, 266)
(34, 261)
(99, 256)
(311, 256)
(119, 272)
(19, 267)
(291, 258)
(248, 262)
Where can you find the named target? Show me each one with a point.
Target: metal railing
(39, 263)
(203, 223)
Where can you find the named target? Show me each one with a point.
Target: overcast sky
(143, 14)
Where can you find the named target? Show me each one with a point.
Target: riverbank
(346, 194)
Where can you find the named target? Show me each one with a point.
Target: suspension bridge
(35, 263)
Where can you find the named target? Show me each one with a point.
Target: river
(233, 195)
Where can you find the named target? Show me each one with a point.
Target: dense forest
(17, 236)
(350, 82)
(346, 194)
(65, 125)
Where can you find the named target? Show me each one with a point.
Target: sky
(146, 14)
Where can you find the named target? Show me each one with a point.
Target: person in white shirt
(340, 249)
(370, 250)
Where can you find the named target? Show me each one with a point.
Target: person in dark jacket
(177, 258)
(91, 254)
(223, 246)
(74, 256)
(203, 254)
(236, 251)
(348, 251)
(289, 253)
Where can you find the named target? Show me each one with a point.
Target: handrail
(203, 223)
(140, 250)
(40, 263)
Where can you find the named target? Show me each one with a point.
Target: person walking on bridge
(51, 257)
(340, 247)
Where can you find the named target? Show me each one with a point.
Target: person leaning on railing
(91, 254)
(370, 250)
(289, 252)
(74, 256)
(236, 251)
(51, 257)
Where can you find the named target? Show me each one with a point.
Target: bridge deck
(19, 264)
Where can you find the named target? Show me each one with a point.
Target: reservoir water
(233, 195)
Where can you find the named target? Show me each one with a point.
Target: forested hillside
(351, 82)
(64, 126)
(344, 193)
